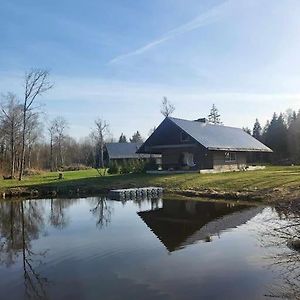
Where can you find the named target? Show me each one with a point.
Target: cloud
(206, 18)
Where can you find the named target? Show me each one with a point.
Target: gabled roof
(179, 228)
(124, 151)
(219, 137)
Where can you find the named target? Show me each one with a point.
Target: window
(184, 137)
(188, 159)
(230, 156)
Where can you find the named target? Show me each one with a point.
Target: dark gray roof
(219, 137)
(124, 151)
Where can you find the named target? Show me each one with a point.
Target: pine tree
(257, 130)
(214, 116)
(136, 138)
(122, 139)
(276, 137)
(294, 138)
(247, 130)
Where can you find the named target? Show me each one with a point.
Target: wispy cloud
(206, 18)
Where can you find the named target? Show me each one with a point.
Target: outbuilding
(126, 152)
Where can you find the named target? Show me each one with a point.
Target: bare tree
(51, 130)
(102, 211)
(36, 84)
(33, 132)
(60, 127)
(99, 133)
(10, 117)
(167, 108)
(151, 131)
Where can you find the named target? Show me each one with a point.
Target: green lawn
(91, 181)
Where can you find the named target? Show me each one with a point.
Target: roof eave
(240, 149)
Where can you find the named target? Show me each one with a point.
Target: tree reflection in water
(58, 207)
(20, 223)
(276, 236)
(102, 210)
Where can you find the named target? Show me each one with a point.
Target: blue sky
(116, 59)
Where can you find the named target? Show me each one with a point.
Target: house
(199, 145)
(125, 152)
(178, 224)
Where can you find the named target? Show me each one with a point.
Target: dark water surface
(100, 249)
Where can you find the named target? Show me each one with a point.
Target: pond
(96, 248)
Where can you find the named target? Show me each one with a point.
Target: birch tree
(99, 133)
(11, 119)
(36, 84)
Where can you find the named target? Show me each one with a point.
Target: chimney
(201, 120)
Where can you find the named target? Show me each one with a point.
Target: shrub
(31, 172)
(150, 165)
(75, 167)
(127, 167)
(113, 168)
(139, 166)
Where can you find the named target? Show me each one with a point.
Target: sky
(117, 59)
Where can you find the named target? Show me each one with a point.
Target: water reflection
(20, 223)
(181, 223)
(102, 210)
(58, 208)
(277, 235)
(52, 248)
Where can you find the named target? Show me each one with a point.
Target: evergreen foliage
(282, 135)
(113, 168)
(122, 139)
(136, 138)
(257, 130)
(214, 117)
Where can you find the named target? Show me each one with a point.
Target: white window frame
(231, 158)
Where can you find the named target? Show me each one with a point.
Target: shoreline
(274, 184)
(267, 196)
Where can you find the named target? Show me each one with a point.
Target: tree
(51, 131)
(11, 120)
(167, 108)
(275, 136)
(36, 84)
(257, 130)
(151, 130)
(214, 116)
(294, 138)
(247, 130)
(122, 138)
(99, 133)
(290, 116)
(60, 125)
(136, 138)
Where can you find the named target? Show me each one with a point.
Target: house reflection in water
(180, 223)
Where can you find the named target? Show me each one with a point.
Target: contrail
(203, 19)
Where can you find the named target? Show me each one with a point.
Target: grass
(90, 181)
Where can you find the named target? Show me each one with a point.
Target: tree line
(282, 134)
(27, 144)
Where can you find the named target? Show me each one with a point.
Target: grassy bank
(277, 182)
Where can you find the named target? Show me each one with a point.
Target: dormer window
(184, 137)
